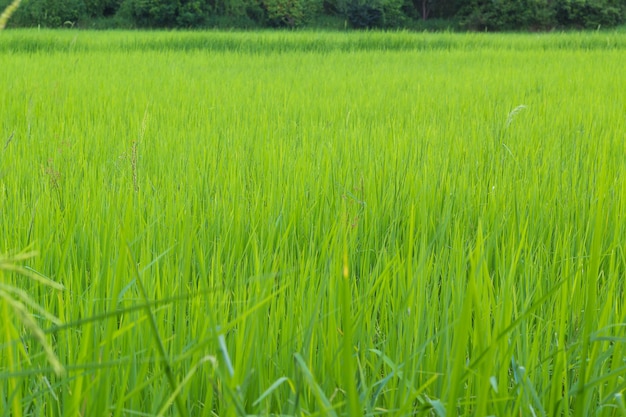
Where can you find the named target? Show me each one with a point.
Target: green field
(312, 224)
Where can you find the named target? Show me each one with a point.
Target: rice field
(312, 224)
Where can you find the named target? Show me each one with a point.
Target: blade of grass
(155, 332)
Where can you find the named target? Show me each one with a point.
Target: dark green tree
(102, 8)
(375, 13)
(589, 14)
(192, 13)
(290, 13)
(497, 15)
(154, 13)
(50, 13)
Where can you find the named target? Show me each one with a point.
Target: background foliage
(482, 15)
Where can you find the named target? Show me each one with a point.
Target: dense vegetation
(312, 224)
(421, 14)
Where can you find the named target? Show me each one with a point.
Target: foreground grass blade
(327, 407)
(155, 332)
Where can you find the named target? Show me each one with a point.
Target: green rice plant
(313, 223)
(16, 304)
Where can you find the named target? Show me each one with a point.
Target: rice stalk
(8, 11)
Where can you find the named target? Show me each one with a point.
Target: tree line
(480, 15)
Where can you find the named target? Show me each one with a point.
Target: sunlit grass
(314, 224)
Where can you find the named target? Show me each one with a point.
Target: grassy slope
(356, 221)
